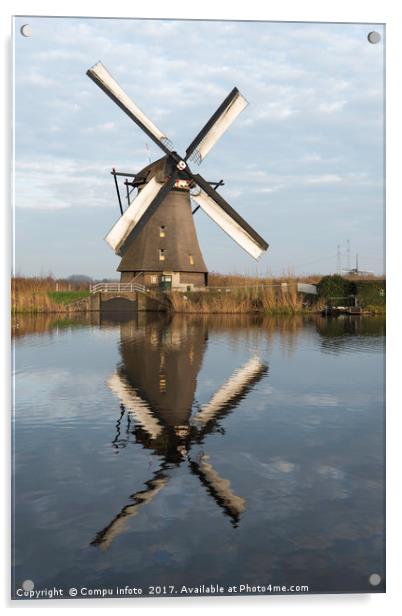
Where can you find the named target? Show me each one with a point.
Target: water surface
(192, 450)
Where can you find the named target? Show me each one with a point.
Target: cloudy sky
(303, 163)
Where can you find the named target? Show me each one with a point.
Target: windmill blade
(135, 405)
(118, 525)
(228, 219)
(219, 488)
(236, 386)
(147, 199)
(126, 223)
(223, 117)
(101, 76)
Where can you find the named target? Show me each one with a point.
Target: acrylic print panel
(188, 419)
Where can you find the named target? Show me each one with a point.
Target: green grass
(66, 297)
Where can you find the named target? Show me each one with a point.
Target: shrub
(335, 289)
(371, 293)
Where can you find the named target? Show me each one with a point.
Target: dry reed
(247, 299)
(226, 293)
(31, 295)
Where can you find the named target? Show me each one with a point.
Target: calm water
(194, 450)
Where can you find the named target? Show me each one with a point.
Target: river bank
(227, 294)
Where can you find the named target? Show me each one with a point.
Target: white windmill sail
(118, 525)
(221, 486)
(216, 126)
(126, 223)
(135, 405)
(228, 224)
(101, 76)
(229, 390)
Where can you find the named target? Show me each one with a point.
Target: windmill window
(162, 231)
(162, 383)
(161, 254)
(191, 259)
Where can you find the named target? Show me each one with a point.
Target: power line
(317, 260)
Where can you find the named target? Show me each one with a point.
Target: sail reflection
(155, 385)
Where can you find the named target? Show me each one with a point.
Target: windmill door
(165, 282)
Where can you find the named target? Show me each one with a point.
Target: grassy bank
(66, 297)
(37, 295)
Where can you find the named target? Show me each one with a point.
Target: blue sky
(303, 163)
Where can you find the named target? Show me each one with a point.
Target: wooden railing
(116, 287)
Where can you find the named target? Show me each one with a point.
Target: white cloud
(270, 112)
(106, 127)
(328, 178)
(331, 107)
(233, 193)
(268, 189)
(66, 105)
(320, 400)
(313, 157)
(54, 184)
(59, 54)
(35, 78)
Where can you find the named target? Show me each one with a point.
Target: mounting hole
(26, 30)
(374, 579)
(28, 585)
(374, 37)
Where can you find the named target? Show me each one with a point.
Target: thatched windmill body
(155, 235)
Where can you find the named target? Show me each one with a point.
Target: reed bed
(226, 294)
(215, 279)
(23, 324)
(242, 280)
(37, 295)
(247, 299)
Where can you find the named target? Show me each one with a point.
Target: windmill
(157, 404)
(155, 236)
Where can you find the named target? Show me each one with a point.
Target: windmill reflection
(156, 384)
